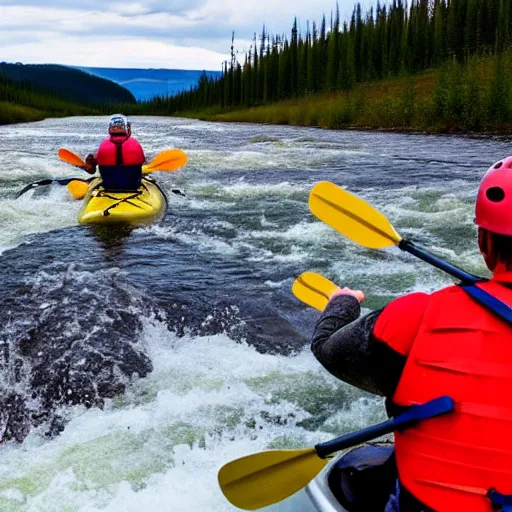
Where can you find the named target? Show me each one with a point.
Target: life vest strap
(500, 502)
(489, 302)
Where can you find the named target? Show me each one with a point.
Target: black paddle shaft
(409, 418)
(407, 246)
(50, 181)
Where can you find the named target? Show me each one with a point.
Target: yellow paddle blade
(70, 157)
(352, 216)
(265, 478)
(78, 188)
(169, 160)
(313, 289)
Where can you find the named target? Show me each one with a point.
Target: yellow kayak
(140, 207)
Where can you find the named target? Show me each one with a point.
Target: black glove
(90, 164)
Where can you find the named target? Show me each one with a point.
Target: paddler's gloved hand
(358, 294)
(90, 164)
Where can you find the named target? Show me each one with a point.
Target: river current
(135, 363)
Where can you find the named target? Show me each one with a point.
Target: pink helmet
(494, 199)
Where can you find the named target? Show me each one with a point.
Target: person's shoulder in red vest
(370, 351)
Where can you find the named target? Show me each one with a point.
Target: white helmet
(119, 125)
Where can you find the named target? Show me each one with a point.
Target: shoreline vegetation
(35, 92)
(471, 98)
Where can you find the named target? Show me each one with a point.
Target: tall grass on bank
(23, 102)
(22, 105)
(473, 97)
(11, 113)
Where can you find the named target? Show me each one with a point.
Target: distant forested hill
(68, 83)
(23, 102)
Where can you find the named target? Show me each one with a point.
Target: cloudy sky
(179, 34)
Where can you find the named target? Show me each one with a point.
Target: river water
(134, 364)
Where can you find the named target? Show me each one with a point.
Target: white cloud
(129, 7)
(187, 34)
(118, 53)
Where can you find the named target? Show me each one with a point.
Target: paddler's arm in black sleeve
(344, 344)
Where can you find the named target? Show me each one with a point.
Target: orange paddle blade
(70, 157)
(169, 160)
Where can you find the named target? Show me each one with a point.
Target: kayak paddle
(264, 478)
(357, 220)
(169, 160)
(51, 181)
(314, 289)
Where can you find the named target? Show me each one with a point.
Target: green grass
(13, 113)
(398, 104)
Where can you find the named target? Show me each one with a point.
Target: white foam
(210, 400)
(28, 215)
(304, 233)
(159, 446)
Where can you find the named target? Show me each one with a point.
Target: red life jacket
(464, 351)
(120, 160)
(120, 150)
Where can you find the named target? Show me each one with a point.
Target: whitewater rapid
(206, 298)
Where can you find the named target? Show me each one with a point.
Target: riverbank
(472, 99)
(11, 113)
(35, 92)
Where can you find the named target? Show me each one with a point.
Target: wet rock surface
(72, 320)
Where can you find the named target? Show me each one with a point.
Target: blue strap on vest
(409, 418)
(501, 502)
(492, 304)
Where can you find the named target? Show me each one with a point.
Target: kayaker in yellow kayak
(120, 157)
(422, 346)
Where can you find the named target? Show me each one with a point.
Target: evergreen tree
(322, 56)
(470, 30)
(395, 31)
(255, 76)
(439, 31)
(304, 50)
(333, 54)
(358, 42)
(293, 61)
(503, 25)
(312, 70)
